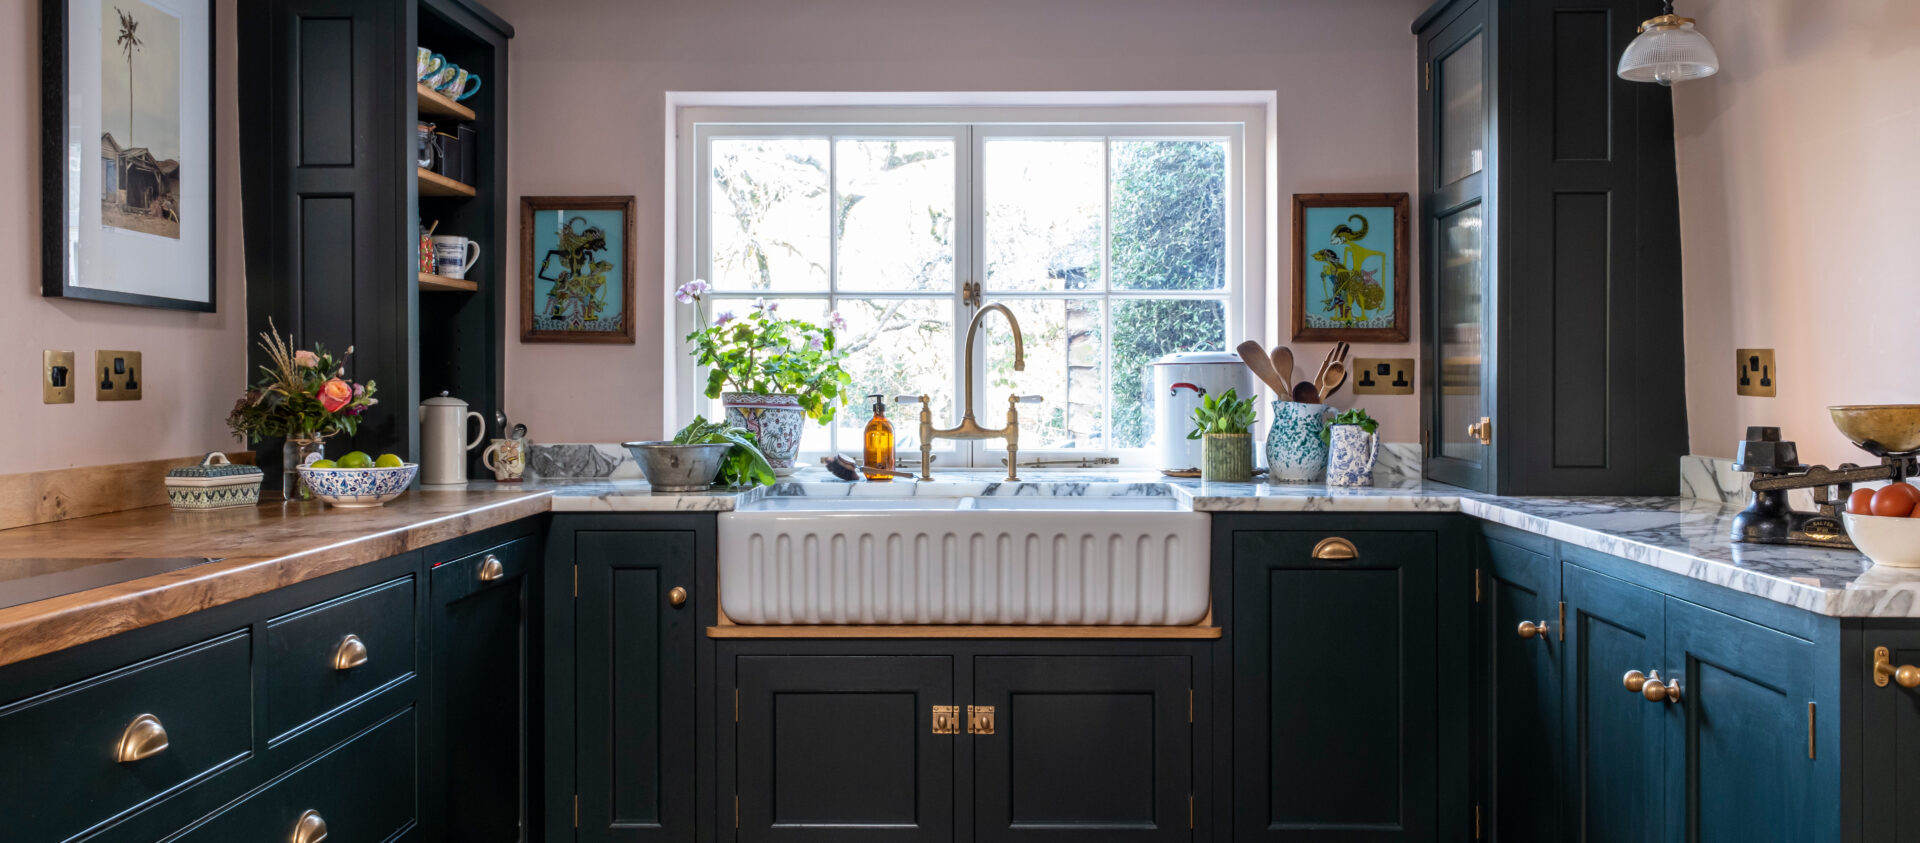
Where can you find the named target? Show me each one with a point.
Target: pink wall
(590, 79)
(1798, 169)
(195, 366)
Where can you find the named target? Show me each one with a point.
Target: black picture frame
(54, 207)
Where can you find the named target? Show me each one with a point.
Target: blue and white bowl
(350, 488)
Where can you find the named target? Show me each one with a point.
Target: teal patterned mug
(1296, 451)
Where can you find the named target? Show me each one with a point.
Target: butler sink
(1093, 558)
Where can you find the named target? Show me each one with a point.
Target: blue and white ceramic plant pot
(1353, 455)
(1296, 453)
(777, 420)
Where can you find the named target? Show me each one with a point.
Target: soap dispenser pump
(879, 440)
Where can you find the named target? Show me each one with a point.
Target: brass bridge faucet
(969, 428)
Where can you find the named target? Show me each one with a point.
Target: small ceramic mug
(506, 459)
(453, 83)
(471, 87)
(439, 77)
(453, 255)
(427, 64)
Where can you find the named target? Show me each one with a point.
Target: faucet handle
(1028, 399)
(906, 399)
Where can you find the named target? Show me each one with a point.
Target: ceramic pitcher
(1354, 450)
(1296, 453)
(443, 450)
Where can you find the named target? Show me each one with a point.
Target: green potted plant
(770, 373)
(701, 454)
(1355, 444)
(301, 398)
(1223, 423)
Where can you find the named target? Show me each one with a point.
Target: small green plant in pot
(1354, 445)
(1224, 424)
(771, 373)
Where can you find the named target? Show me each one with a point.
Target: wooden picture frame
(570, 316)
(1334, 257)
(137, 224)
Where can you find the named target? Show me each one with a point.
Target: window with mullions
(1109, 242)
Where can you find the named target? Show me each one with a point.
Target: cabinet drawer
(60, 775)
(361, 790)
(496, 565)
(325, 658)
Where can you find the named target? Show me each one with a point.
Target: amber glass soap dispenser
(879, 439)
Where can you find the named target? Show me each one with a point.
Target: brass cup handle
(677, 597)
(1533, 629)
(350, 653)
(1335, 548)
(143, 738)
(1906, 675)
(1649, 685)
(310, 828)
(491, 569)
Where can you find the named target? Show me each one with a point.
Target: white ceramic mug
(453, 255)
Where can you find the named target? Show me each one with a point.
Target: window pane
(897, 347)
(1462, 283)
(770, 220)
(895, 214)
(1463, 115)
(1143, 331)
(1065, 365)
(1044, 210)
(1169, 215)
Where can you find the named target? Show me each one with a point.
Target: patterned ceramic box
(213, 484)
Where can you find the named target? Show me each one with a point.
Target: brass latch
(980, 719)
(970, 294)
(1482, 430)
(946, 720)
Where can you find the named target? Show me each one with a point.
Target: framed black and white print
(127, 181)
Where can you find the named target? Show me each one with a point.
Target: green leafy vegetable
(1353, 416)
(744, 465)
(1227, 413)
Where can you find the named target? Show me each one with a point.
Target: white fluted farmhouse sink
(1136, 559)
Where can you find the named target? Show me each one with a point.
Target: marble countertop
(1685, 536)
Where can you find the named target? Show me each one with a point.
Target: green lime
(323, 464)
(388, 461)
(356, 459)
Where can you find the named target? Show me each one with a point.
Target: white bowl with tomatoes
(1885, 524)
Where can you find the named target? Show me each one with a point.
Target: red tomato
(1895, 500)
(1860, 502)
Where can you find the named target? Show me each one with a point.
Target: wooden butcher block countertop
(207, 559)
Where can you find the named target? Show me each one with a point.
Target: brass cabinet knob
(1335, 548)
(1634, 680)
(310, 828)
(677, 597)
(1906, 675)
(143, 738)
(1482, 430)
(1649, 685)
(1533, 629)
(491, 569)
(350, 653)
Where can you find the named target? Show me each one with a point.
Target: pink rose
(334, 394)
(306, 359)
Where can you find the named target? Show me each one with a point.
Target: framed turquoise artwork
(1350, 267)
(576, 269)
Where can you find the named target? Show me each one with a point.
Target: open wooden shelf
(434, 184)
(436, 104)
(431, 283)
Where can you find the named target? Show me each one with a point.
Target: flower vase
(1352, 457)
(1227, 458)
(1296, 453)
(296, 452)
(776, 420)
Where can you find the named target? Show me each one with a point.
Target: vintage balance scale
(1888, 431)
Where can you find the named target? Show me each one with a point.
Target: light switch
(117, 375)
(56, 377)
(1755, 374)
(1381, 376)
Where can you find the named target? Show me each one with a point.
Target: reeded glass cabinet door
(1455, 160)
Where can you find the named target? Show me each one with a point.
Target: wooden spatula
(1283, 366)
(1256, 359)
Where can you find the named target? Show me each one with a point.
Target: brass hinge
(1476, 821)
(1476, 585)
(1189, 810)
(576, 581)
(1428, 85)
(980, 720)
(576, 810)
(736, 705)
(1561, 629)
(946, 720)
(1809, 731)
(1189, 705)
(736, 810)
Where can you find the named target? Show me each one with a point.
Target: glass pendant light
(1668, 50)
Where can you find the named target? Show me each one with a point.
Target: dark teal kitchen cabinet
(1520, 645)
(1615, 745)
(362, 789)
(1337, 694)
(1889, 745)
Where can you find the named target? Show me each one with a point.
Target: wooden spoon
(1305, 393)
(1256, 359)
(1331, 380)
(1283, 366)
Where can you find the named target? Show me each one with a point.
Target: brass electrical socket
(1381, 376)
(57, 377)
(117, 375)
(1755, 374)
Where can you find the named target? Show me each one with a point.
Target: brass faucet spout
(1019, 348)
(968, 427)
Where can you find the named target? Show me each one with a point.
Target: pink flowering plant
(301, 395)
(762, 352)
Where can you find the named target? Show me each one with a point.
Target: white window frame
(1250, 202)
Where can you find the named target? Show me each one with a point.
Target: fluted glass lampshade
(1668, 50)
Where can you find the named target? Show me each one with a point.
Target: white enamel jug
(443, 443)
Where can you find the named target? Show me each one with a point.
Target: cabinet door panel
(1890, 720)
(836, 748)
(1613, 735)
(1743, 719)
(1093, 749)
(1522, 705)
(480, 691)
(635, 686)
(1335, 710)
